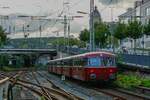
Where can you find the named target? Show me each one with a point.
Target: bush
(127, 81)
(146, 83)
(132, 80)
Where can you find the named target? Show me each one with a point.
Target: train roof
(84, 55)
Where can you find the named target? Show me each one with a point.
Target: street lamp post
(91, 25)
(142, 27)
(91, 22)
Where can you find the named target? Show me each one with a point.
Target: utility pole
(57, 41)
(143, 42)
(65, 29)
(23, 29)
(14, 29)
(9, 29)
(68, 26)
(112, 20)
(92, 35)
(66, 20)
(68, 35)
(40, 29)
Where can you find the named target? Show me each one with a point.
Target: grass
(130, 80)
(8, 69)
(42, 98)
(146, 83)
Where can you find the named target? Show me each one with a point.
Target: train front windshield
(94, 62)
(101, 61)
(108, 61)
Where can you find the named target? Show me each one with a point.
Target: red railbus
(93, 66)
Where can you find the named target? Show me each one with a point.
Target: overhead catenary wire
(103, 9)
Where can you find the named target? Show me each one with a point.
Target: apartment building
(140, 11)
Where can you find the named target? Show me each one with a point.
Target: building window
(147, 20)
(147, 11)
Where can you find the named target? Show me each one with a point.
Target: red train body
(93, 66)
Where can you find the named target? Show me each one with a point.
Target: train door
(109, 64)
(94, 68)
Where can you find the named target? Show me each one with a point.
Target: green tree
(72, 41)
(147, 29)
(84, 35)
(120, 31)
(134, 31)
(101, 34)
(2, 36)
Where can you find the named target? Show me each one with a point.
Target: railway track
(60, 93)
(9, 76)
(3, 78)
(55, 93)
(121, 94)
(116, 93)
(143, 89)
(15, 80)
(36, 87)
(44, 91)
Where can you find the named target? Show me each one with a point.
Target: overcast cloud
(113, 2)
(54, 7)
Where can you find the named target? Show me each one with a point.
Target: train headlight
(111, 71)
(91, 71)
(92, 76)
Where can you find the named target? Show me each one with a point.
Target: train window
(108, 61)
(75, 62)
(58, 63)
(94, 62)
(80, 62)
(83, 62)
(55, 63)
(70, 62)
(61, 63)
(65, 63)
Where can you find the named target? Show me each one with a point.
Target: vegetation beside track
(8, 69)
(131, 80)
(11, 69)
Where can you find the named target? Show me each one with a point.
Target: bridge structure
(29, 55)
(52, 52)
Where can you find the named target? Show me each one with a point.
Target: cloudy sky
(54, 7)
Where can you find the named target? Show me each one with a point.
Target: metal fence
(141, 60)
(134, 59)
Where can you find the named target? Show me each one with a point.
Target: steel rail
(47, 94)
(115, 92)
(59, 90)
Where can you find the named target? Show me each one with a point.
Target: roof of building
(128, 13)
(97, 13)
(131, 11)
